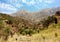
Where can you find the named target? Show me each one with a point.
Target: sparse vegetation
(58, 13)
(56, 34)
(10, 25)
(49, 20)
(43, 37)
(1, 24)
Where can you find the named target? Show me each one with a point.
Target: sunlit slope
(52, 34)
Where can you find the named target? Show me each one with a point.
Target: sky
(11, 6)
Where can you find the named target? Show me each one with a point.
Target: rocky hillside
(50, 34)
(36, 16)
(10, 25)
(23, 25)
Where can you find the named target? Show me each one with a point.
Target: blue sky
(11, 6)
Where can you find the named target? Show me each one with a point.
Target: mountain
(50, 11)
(36, 16)
(22, 23)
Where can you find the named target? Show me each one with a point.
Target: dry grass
(52, 34)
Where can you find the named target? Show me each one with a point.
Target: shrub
(49, 20)
(7, 31)
(43, 37)
(21, 30)
(9, 22)
(25, 31)
(1, 24)
(58, 13)
(56, 34)
(45, 23)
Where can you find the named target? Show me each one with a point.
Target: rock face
(36, 16)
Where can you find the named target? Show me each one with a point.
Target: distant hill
(11, 29)
(36, 16)
(28, 23)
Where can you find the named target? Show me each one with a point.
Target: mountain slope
(36, 16)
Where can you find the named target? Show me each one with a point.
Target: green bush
(1, 24)
(43, 37)
(48, 21)
(58, 13)
(7, 31)
(56, 34)
(28, 31)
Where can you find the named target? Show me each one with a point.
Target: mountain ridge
(36, 16)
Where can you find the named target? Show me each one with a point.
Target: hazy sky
(11, 6)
